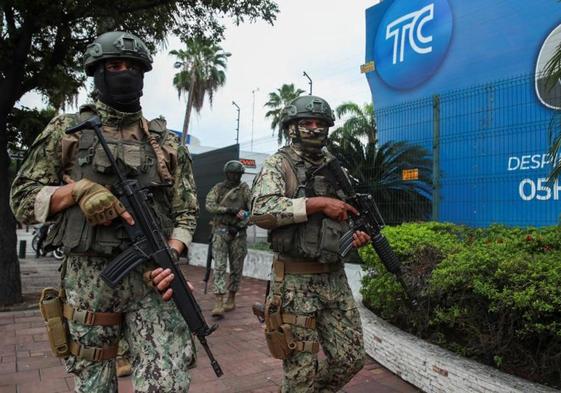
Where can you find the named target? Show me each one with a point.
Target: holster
(276, 333)
(51, 307)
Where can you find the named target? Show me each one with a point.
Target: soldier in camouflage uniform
(310, 303)
(67, 179)
(229, 202)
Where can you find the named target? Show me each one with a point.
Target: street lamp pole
(310, 81)
(238, 126)
(253, 115)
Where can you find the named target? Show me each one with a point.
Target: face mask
(120, 90)
(233, 179)
(311, 140)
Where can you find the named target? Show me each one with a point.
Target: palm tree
(203, 72)
(378, 169)
(278, 100)
(360, 123)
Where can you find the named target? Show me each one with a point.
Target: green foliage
(278, 100)
(25, 124)
(378, 169)
(359, 122)
(492, 294)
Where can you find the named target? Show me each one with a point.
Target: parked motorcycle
(39, 232)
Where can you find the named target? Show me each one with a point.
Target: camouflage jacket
(50, 159)
(272, 203)
(225, 204)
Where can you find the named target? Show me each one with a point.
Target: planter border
(426, 366)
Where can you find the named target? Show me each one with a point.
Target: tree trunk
(11, 86)
(187, 118)
(10, 281)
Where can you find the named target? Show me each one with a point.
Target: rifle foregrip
(386, 254)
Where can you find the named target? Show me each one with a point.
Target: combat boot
(230, 302)
(123, 366)
(218, 310)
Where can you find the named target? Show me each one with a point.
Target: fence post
(435, 157)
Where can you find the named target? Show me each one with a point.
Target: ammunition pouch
(51, 307)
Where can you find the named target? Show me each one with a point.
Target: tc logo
(410, 27)
(412, 41)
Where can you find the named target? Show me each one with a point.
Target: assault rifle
(148, 243)
(208, 263)
(369, 220)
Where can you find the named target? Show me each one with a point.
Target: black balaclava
(233, 179)
(120, 90)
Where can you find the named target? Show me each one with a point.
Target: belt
(283, 265)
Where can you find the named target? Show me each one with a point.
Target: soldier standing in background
(229, 202)
(310, 302)
(84, 210)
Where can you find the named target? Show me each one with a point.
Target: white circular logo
(548, 94)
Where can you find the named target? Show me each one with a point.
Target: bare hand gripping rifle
(148, 243)
(369, 220)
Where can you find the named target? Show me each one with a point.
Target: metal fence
(489, 150)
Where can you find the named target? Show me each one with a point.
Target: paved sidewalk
(27, 366)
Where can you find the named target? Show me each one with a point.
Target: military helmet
(305, 107)
(116, 44)
(234, 166)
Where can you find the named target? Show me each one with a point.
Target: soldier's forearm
(177, 245)
(61, 199)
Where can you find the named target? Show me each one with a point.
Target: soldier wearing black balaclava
(94, 317)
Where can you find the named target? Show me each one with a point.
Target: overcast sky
(325, 38)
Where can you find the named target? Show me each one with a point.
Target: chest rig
(316, 239)
(232, 198)
(137, 160)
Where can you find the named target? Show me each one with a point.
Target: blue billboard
(465, 80)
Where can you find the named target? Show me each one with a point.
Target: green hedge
(490, 294)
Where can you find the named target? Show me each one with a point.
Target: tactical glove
(97, 202)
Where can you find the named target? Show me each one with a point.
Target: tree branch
(145, 6)
(83, 12)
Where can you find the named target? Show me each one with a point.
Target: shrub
(491, 294)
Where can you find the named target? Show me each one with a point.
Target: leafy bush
(491, 294)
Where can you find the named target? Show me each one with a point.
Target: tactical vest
(230, 198)
(136, 160)
(318, 238)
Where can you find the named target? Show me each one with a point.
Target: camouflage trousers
(338, 329)
(160, 345)
(227, 247)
